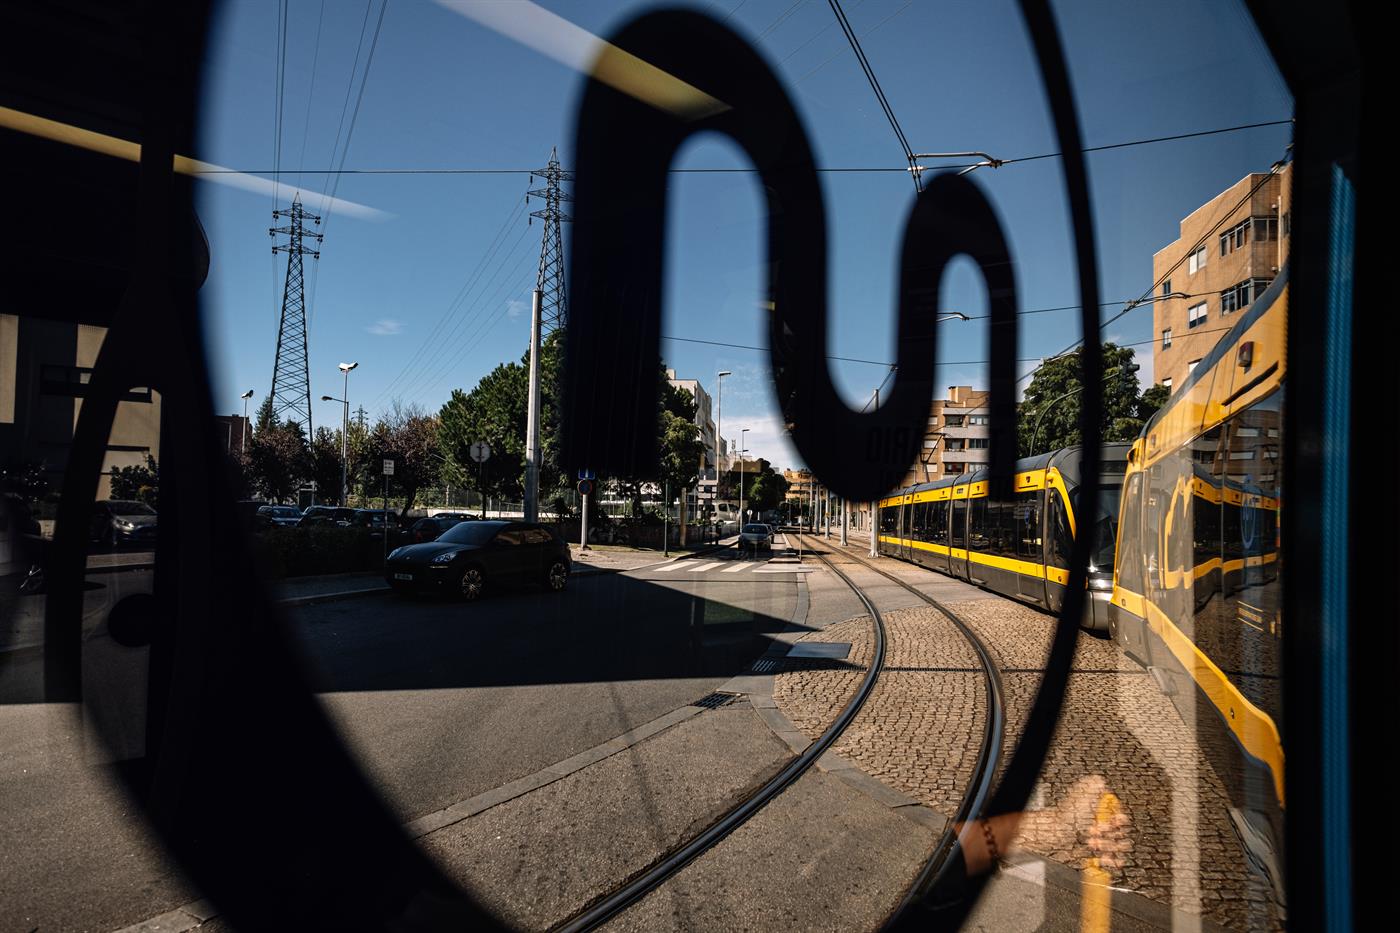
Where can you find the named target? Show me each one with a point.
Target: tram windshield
(1105, 530)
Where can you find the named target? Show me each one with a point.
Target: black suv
(470, 555)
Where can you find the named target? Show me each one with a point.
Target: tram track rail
(604, 909)
(979, 787)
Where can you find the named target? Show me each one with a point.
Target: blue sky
(414, 291)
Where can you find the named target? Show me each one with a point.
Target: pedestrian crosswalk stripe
(666, 568)
(706, 566)
(786, 570)
(738, 565)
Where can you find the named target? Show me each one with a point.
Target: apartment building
(1229, 250)
(956, 438)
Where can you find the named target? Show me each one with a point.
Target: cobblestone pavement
(921, 729)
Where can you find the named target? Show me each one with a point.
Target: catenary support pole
(532, 416)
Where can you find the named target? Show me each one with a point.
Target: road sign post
(585, 486)
(388, 472)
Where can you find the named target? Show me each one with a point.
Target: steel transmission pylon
(554, 303)
(291, 374)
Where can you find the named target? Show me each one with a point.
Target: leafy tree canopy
(1049, 413)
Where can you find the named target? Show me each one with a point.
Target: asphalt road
(439, 700)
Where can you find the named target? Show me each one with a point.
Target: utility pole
(291, 375)
(549, 283)
(875, 505)
(360, 418)
(845, 519)
(532, 417)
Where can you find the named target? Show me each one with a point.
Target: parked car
(284, 516)
(123, 521)
(755, 537)
(326, 515)
(469, 556)
(428, 529)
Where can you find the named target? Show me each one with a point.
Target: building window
(1239, 297)
(1167, 383)
(1196, 314)
(1191, 366)
(1265, 228)
(978, 443)
(1166, 338)
(1237, 237)
(1196, 261)
(1166, 287)
(979, 419)
(954, 421)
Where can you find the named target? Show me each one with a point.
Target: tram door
(957, 534)
(1029, 540)
(906, 529)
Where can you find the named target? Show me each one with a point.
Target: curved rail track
(993, 737)
(611, 905)
(974, 799)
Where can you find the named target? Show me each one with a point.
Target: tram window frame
(939, 513)
(889, 520)
(1128, 563)
(1027, 516)
(957, 524)
(979, 532)
(1057, 522)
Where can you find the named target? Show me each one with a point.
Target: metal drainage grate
(765, 665)
(715, 700)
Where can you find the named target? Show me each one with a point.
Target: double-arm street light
(344, 432)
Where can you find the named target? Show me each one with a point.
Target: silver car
(755, 538)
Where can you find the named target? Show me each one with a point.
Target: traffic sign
(587, 474)
(585, 487)
(480, 451)
(388, 468)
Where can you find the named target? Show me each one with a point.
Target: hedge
(320, 549)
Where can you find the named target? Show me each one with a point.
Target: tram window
(1129, 542)
(938, 519)
(958, 530)
(978, 530)
(1061, 539)
(889, 520)
(918, 521)
(1026, 519)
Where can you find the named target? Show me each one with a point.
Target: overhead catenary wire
(1142, 299)
(893, 366)
(739, 170)
(865, 67)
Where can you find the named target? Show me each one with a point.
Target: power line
(831, 58)
(311, 92)
(472, 277)
(875, 86)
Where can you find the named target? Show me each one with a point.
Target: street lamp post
(719, 438)
(742, 450)
(243, 445)
(344, 435)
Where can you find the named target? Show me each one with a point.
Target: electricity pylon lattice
(291, 374)
(554, 304)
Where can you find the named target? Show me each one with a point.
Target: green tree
(494, 412)
(325, 464)
(1151, 402)
(767, 489)
(409, 437)
(681, 450)
(1052, 402)
(141, 483)
(279, 460)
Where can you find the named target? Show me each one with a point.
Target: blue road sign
(587, 474)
